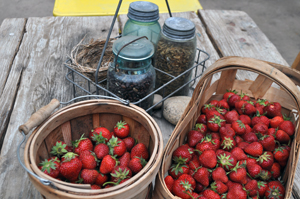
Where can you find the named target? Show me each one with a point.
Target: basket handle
(38, 117)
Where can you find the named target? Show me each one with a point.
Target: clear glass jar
(143, 21)
(133, 76)
(175, 53)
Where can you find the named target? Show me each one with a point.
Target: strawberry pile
(104, 159)
(237, 150)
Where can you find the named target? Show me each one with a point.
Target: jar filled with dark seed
(175, 54)
(132, 76)
(143, 21)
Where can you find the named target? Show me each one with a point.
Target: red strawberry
(236, 192)
(262, 187)
(120, 173)
(125, 159)
(275, 170)
(182, 189)
(250, 137)
(268, 142)
(214, 123)
(122, 129)
(231, 116)
(260, 128)
(202, 128)
(255, 149)
(239, 127)
(238, 174)
(182, 155)
(281, 154)
(282, 137)
(176, 170)
(88, 160)
(223, 104)
(195, 195)
(194, 137)
(210, 194)
(240, 106)
(248, 129)
(218, 187)
(261, 103)
(94, 186)
(250, 161)
(101, 179)
(238, 153)
(194, 163)
(227, 161)
(219, 174)
(140, 150)
(60, 148)
(228, 143)
(266, 160)
(252, 188)
(226, 131)
(108, 163)
(83, 144)
(116, 146)
(188, 178)
(273, 109)
(275, 121)
(242, 145)
(275, 190)
(202, 176)
(245, 119)
(207, 107)
(288, 127)
(265, 175)
(169, 181)
(238, 139)
(70, 166)
(129, 142)
(272, 132)
(89, 176)
(254, 170)
(211, 114)
(260, 110)
(100, 135)
(208, 159)
(137, 164)
(214, 102)
(201, 119)
(50, 167)
(249, 108)
(228, 94)
(203, 146)
(244, 96)
(199, 188)
(233, 99)
(101, 150)
(260, 119)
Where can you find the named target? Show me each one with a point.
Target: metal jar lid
(179, 28)
(143, 11)
(137, 51)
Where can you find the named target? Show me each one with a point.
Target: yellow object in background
(108, 7)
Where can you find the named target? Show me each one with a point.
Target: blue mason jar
(143, 21)
(132, 76)
(175, 54)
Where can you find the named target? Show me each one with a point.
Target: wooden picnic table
(33, 51)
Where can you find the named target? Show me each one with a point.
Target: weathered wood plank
(234, 33)
(11, 34)
(43, 51)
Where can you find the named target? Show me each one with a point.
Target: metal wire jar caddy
(89, 87)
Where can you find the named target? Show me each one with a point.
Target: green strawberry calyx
(59, 149)
(198, 126)
(98, 138)
(274, 193)
(69, 156)
(241, 124)
(120, 125)
(112, 143)
(263, 157)
(227, 143)
(49, 164)
(120, 174)
(261, 102)
(186, 185)
(216, 120)
(177, 168)
(286, 118)
(76, 143)
(225, 160)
